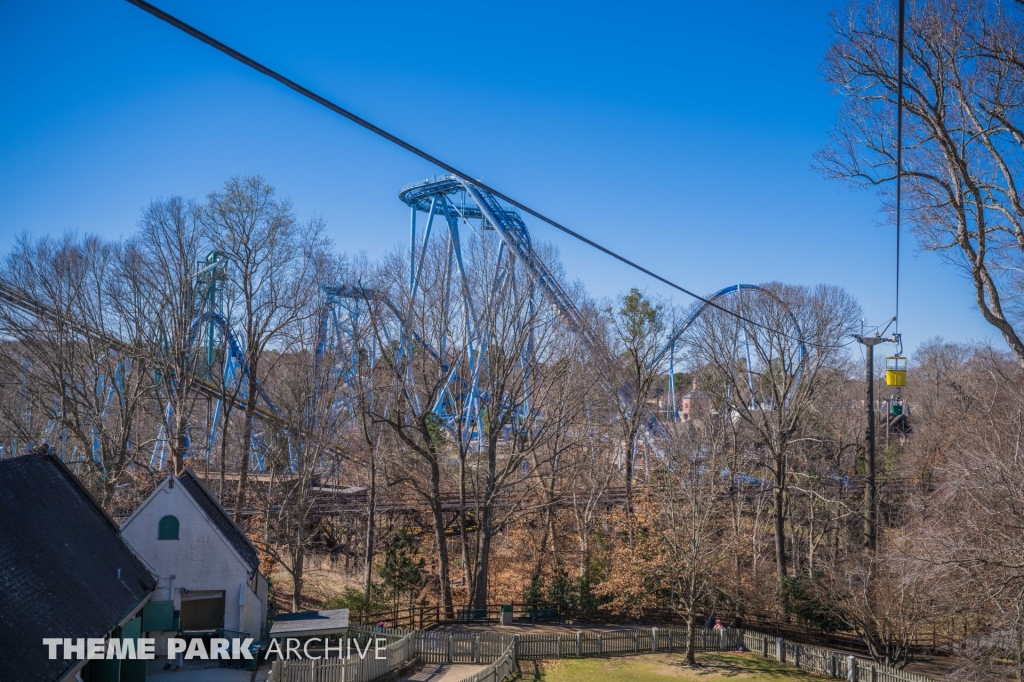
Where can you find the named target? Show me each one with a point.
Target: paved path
(442, 672)
(203, 671)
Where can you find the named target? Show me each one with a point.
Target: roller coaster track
(454, 199)
(668, 350)
(431, 196)
(201, 385)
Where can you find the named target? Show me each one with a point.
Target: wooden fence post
(796, 655)
(781, 653)
(476, 648)
(636, 642)
(600, 649)
(670, 640)
(451, 639)
(515, 650)
(851, 669)
(579, 643)
(764, 645)
(654, 639)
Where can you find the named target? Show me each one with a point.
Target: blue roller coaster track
(669, 350)
(460, 204)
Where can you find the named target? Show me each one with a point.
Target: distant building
(208, 569)
(694, 403)
(65, 572)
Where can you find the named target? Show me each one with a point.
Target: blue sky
(679, 134)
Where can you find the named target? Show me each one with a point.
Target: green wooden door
(133, 671)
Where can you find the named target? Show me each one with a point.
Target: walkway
(204, 671)
(437, 672)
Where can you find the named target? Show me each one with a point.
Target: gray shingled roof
(59, 560)
(228, 528)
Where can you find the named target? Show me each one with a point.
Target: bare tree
(159, 272)
(411, 354)
(271, 266)
(525, 398)
(763, 361)
(638, 328)
(692, 515)
(968, 538)
(963, 133)
(80, 358)
(884, 598)
(304, 446)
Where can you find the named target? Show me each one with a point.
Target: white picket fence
(827, 662)
(504, 667)
(502, 652)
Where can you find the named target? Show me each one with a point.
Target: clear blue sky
(679, 134)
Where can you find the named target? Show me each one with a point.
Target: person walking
(179, 658)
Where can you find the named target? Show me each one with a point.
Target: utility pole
(870, 490)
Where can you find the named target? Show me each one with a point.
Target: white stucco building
(208, 569)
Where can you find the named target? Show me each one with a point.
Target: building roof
(310, 623)
(224, 523)
(64, 569)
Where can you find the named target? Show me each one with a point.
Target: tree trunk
(297, 581)
(630, 444)
(223, 453)
(244, 457)
(483, 560)
(780, 521)
(371, 511)
(485, 525)
(442, 541)
(467, 564)
(691, 636)
(245, 460)
(181, 444)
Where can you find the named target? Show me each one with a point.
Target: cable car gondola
(896, 379)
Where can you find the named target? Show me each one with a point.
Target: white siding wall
(201, 559)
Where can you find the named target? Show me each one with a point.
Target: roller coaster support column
(670, 405)
(870, 490)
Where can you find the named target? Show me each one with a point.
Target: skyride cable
(323, 101)
(899, 157)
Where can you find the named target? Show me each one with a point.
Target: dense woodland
(340, 431)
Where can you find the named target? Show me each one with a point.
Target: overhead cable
(899, 157)
(341, 111)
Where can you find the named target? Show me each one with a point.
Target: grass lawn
(712, 667)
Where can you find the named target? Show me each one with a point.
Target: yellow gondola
(895, 370)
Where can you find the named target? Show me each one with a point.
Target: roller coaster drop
(463, 204)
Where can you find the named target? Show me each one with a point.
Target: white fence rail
(827, 662)
(502, 668)
(502, 652)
